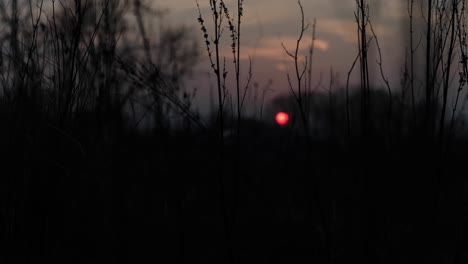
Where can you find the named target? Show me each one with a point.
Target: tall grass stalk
(215, 63)
(412, 54)
(429, 82)
(463, 61)
(451, 48)
(298, 93)
(240, 11)
(309, 70)
(219, 11)
(386, 82)
(362, 21)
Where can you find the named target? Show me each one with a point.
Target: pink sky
(268, 23)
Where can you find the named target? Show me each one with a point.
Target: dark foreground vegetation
(105, 160)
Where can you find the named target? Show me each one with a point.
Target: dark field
(104, 158)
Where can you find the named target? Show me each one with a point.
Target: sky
(267, 24)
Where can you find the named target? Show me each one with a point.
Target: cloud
(322, 45)
(290, 43)
(346, 30)
(281, 67)
(271, 48)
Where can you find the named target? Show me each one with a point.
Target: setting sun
(282, 118)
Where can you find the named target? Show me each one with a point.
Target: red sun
(282, 118)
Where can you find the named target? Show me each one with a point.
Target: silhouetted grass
(105, 159)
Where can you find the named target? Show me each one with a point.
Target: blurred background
(134, 130)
